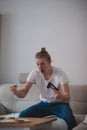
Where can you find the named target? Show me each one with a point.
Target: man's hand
(22, 92)
(18, 93)
(57, 94)
(65, 96)
(13, 89)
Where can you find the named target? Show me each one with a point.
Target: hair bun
(43, 49)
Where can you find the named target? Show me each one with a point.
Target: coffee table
(30, 123)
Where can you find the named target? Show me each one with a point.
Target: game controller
(50, 85)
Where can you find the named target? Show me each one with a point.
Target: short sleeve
(63, 78)
(32, 77)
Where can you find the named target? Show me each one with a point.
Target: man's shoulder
(36, 71)
(57, 69)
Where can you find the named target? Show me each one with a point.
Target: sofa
(10, 105)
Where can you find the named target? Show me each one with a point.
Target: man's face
(42, 64)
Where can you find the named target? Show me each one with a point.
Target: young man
(54, 91)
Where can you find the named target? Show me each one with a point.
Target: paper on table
(13, 120)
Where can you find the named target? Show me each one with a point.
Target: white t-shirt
(57, 77)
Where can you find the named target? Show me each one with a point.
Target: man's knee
(22, 114)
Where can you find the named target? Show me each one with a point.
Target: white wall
(59, 25)
(0, 48)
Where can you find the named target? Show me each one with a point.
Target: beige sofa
(12, 104)
(79, 104)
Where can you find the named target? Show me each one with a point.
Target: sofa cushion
(59, 124)
(23, 77)
(81, 126)
(79, 118)
(31, 98)
(15, 104)
(3, 110)
(7, 98)
(78, 101)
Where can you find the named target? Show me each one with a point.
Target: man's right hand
(13, 89)
(22, 92)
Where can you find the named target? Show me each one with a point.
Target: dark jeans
(61, 110)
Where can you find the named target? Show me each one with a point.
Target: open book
(85, 120)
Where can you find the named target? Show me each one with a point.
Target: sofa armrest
(79, 118)
(81, 126)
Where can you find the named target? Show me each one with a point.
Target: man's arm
(21, 93)
(65, 96)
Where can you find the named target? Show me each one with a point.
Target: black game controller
(50, 85)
